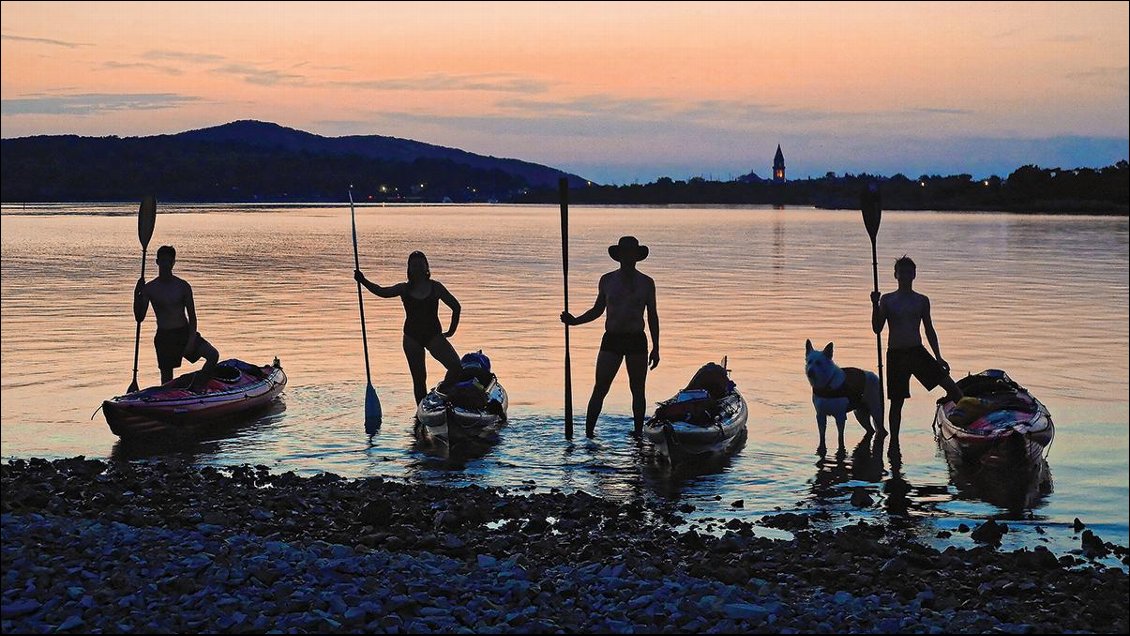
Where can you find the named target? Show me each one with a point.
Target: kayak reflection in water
(177, 336)
(422, 331)
(625, 293)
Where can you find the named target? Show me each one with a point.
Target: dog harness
(852, 388)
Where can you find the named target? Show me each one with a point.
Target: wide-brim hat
(628, 244)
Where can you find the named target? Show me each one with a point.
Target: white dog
(836, 391)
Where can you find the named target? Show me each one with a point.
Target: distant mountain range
(258, 161)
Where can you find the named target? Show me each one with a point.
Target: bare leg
(414, 353)
(607, 364)
(204, 349)
(953, 393)
(211, 359)
(441, 349)
(637, 379)
(896, 418)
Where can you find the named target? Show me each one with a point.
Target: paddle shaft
(563, 189)
(360, 297)
(878, 337)
(137, 336)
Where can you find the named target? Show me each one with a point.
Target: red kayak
(234, 389)
(997, 422)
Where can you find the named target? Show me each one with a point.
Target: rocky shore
(91, 547)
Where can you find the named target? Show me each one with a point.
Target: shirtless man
(904, 310)
(175, 310)
(625, 293)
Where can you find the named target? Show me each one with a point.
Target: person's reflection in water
(896, 488)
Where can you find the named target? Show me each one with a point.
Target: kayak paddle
(372, 403)
(146, 221)
(872, 213)
(563, 189)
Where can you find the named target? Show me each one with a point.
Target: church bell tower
(779, 166)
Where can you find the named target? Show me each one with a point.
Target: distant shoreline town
(260, 162)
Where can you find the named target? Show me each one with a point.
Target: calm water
(1044, 298)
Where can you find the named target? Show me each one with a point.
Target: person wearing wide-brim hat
(626, 293)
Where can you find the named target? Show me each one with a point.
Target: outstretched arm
(878, 313)
(449, 300)
(931, 335)
(383, 292)
(653, 325)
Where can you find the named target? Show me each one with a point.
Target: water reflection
(896, 487)
(436, 454)
(671, 480)
(835, 474)
(202, 441)
(1016, 489)
(749, 283)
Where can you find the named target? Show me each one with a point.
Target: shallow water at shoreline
(752, 284)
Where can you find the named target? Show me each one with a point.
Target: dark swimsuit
(624, 343)
(916, 361)
(170, 344)
(421, 316)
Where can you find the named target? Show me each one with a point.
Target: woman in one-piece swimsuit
(422, 331)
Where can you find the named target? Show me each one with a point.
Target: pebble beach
(165, 546)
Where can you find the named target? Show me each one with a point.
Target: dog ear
(808, 346)
(828, 351)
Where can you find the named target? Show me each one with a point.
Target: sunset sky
(615, 92)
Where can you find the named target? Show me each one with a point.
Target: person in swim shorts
(627, 294)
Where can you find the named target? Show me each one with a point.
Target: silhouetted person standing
(422, 331)
(177, 336)
(626, 293)
(905, 311)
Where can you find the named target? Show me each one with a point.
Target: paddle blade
(870, 202)
(132, 386)
(372, 410)
(146, 220)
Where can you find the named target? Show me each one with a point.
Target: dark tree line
(192, 168)
(1027, 189)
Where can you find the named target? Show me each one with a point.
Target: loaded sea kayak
(473, 407)
(998, 421)
(709, 416)
(235, 389)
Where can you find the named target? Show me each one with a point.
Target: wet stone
(351, 560)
